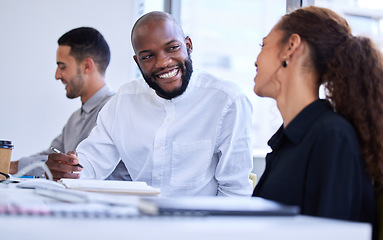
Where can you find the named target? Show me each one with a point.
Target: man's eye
(261, 44)
(146, 57)
(174, 47)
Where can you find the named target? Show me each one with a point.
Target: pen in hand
(58, 151)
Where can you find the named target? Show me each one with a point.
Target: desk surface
(144, 227)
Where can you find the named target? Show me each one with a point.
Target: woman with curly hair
(327, 157)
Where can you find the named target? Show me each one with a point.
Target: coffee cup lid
(6, 144)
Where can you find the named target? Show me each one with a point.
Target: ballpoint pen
(58, 151)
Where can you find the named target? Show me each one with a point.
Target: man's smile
(168, 75)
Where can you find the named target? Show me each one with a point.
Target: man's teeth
(169, 74)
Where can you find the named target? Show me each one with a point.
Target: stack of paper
(110, 186)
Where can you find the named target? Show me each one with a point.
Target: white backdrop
(33, 105)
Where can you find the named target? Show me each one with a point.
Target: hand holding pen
(63, 165)
(72, 152)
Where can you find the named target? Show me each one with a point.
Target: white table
(180, 228)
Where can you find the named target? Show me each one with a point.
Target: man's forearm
(13, 168)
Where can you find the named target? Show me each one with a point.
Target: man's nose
(58, 74)
(163, 60)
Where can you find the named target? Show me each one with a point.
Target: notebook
(220, 206)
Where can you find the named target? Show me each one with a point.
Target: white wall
(33, 105)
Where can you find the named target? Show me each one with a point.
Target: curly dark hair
(351, 70)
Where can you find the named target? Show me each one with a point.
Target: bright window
(226, 37)
(364, 16)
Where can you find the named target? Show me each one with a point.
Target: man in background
(83, 56)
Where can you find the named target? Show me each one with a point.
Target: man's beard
(188, 70)
(75, 85)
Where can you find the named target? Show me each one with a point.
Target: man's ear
(88, 65)
(189, 44)
(135, 59)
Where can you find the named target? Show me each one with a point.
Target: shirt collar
(300, 124)
(93, 102)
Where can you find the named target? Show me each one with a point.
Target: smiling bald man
(187, 133)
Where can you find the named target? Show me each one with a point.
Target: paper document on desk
(110, 186)
(61, 202)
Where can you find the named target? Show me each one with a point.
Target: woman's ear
(293, 47)
(293, 43)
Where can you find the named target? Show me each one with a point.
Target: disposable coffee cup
(5, 158)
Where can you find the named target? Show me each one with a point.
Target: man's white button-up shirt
(198, 143)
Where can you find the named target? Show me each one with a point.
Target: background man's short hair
(87, 42)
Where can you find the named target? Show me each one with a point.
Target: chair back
(253, 178)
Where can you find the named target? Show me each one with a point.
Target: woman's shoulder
(333, 128)
(333, 121)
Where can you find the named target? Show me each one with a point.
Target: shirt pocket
(191, 163)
